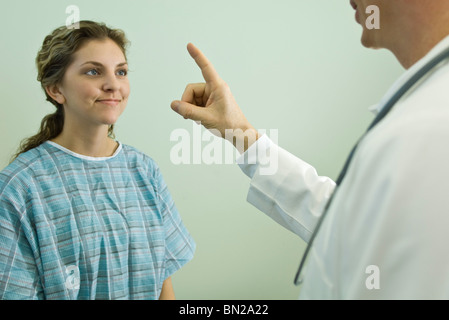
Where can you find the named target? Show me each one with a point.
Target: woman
(83, 216)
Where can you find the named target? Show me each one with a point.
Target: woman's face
(95, 87)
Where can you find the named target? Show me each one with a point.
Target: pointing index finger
(208, 70)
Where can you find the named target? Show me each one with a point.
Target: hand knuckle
(188, 113)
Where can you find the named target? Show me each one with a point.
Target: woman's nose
(111, 83)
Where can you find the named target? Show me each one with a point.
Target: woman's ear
(54, 92)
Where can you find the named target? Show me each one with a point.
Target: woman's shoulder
(18, 176)
(23, 162)
(138, 157)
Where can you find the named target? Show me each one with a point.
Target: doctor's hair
(52, 61)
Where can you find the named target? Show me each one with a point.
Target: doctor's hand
(213, 104)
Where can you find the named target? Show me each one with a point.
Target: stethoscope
(425, 70)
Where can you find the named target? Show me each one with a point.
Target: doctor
(386, 231)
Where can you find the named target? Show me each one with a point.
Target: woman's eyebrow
(95, 63)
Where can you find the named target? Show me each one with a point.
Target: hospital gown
(78, 227)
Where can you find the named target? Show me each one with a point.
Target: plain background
(296, 66)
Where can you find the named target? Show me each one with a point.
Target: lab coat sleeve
(284, 187)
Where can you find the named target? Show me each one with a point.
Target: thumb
(189, 111)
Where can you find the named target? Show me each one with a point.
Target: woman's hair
(53, 59)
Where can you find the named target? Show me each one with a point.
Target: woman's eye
(95, 72)
(92, 72)
(122, 72)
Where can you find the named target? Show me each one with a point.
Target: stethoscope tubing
(420, 74)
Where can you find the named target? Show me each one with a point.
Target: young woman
(83, 216)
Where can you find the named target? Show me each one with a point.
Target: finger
(208, 70)
(194, 93)
(189, 111)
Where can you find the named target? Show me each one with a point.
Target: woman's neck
(92, 143)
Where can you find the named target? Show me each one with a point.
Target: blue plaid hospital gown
(77, 227)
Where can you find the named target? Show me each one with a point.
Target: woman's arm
(167, 292)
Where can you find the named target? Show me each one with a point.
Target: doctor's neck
(415, 49)
(417, 31)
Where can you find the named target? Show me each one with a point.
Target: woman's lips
(109, 102)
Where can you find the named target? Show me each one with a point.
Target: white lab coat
(386, 233)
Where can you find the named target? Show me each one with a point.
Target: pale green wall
(293, 65)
